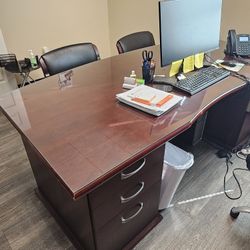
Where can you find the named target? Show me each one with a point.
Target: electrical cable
(240, 76)
(228, 157)
(210, 60)
(228, 161)
(225, 179)
(238, 183)
(240, 155)
(242, 59)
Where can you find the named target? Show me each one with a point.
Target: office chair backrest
(135, 41)
(68, 57)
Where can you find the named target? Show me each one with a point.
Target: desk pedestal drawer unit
(126, 203)
(130, 221)
(228, 121)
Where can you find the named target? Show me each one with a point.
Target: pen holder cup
(148, 70)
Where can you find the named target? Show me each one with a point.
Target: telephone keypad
(244, 49)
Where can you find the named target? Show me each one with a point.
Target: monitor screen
(188, 27)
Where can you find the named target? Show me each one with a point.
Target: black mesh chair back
(68, 57)
(10, 59)
(21, 67)
(135, 41)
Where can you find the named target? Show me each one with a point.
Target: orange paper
(140, 100)
(164, 100)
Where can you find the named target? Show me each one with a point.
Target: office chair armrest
(96, 51)
(44, 67)
(119, 48)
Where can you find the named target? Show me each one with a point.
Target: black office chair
(68, 57)
(22, 67)
(135, 41)
(235, 211)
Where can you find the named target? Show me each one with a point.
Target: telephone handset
(238, 45)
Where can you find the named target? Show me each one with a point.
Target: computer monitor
(188, 27)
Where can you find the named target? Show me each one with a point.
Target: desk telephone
(238, 45)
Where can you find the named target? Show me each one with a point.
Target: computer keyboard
(201, 79)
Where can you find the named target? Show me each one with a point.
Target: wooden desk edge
(86, 189)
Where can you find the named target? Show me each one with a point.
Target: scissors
(147, 55)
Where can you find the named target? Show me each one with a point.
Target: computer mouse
(228, 64)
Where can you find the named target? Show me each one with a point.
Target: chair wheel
(233, 214)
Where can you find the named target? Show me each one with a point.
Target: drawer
(148, 168)
(126, 225)
(120, 201)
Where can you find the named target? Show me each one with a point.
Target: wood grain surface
(85, 135)
(205, 224)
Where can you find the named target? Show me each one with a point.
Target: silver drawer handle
(126, 199)
(133, 216)
(126, 176)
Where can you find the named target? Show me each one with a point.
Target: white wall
(29, 24)
(127, 16)
(235, 15)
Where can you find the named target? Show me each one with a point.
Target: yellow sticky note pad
(175, 66)
(188, 64)
(198, 60)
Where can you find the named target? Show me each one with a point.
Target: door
(7, 80)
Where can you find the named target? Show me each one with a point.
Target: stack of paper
(150, 100)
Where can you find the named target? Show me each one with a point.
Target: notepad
(175, 67)
(150, 100)
(188, 64)
(198, 60)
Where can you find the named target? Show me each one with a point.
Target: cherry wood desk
(97, 162)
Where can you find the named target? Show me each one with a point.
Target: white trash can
(176, 162)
